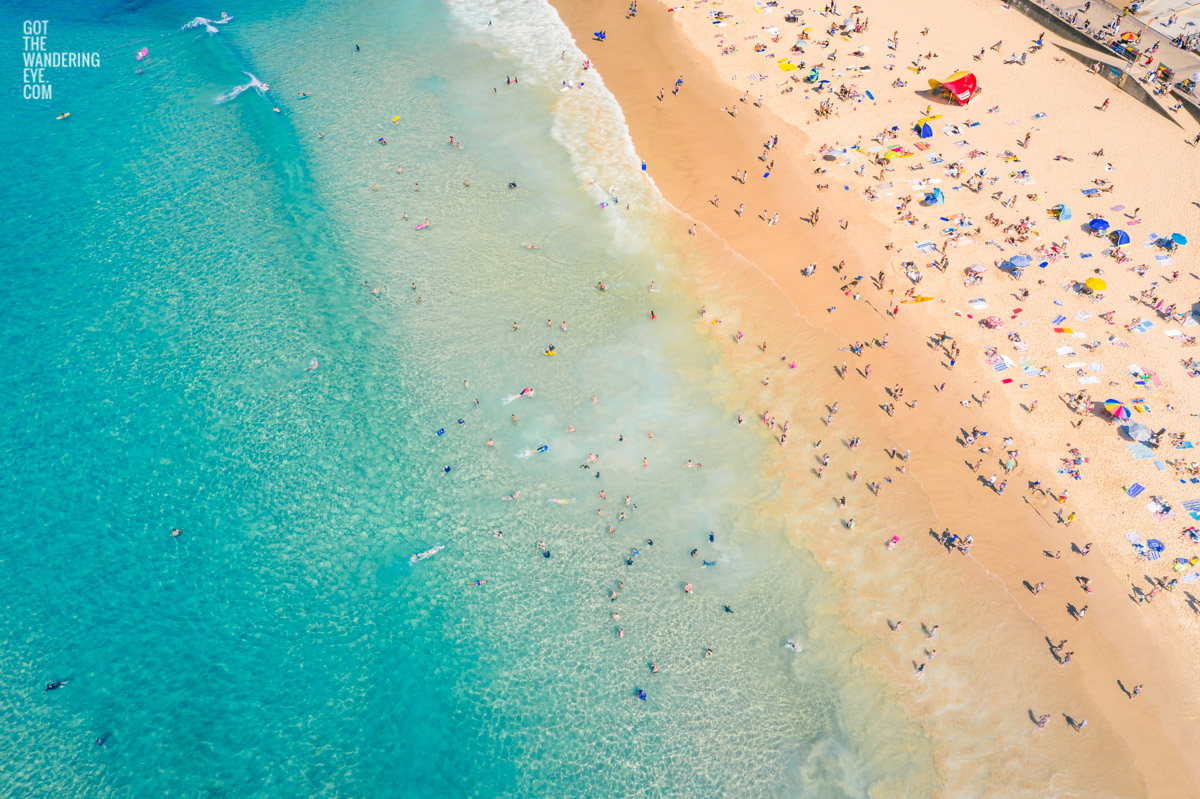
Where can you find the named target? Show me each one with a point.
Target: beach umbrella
(1020, 261)
(1119, 238)
(1179, 239)
(1095, 284)
(1116, 409)
(1154, 545)
(1062, 211)
(1138, 432)
(1098, 224)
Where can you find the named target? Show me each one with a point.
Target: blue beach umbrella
(1119, 238)
(935, 197)
(1020, 261)
(1179, 239)
(1098, 224)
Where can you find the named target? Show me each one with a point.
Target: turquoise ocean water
(173, 263)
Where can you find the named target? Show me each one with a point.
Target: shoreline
(676, 134)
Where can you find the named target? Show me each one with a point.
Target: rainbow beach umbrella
(1116, 409)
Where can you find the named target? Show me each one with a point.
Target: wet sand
(994, 670)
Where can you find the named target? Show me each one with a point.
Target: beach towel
(1140, 452)
(1091, 192)
(1058, 320)
(1164, 260)
(1133, 538)
(1190, 578)
(1065, 351)
(1135, 489)
(1191, 504)
(1186, 445)
(1089, 380)
(1162, 467)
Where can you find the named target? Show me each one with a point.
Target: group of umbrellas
(1120, 238)
(1135, 431)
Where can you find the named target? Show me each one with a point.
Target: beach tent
(1061, 212)
(1119, 238)
(923, 129)
(935, 197)
(961, 87)
(1098, 225)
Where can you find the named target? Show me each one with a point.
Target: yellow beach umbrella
(1095, 284)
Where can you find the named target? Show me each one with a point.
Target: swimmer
(654, 668)
(600, 285)
(103, 739)
(54, 686)
(687, 589)
(490, 443)
(312, 365)
(621, 634)
(476, 583)
(531, 246)
(728, 609)
(499, 534)
(694, 551)
(176, 532)
(708, 653)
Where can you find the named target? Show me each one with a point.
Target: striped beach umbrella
(1116, 409)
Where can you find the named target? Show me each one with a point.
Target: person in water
(54, 686)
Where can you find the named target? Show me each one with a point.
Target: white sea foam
(209, 24)
(254, 83)
(588, 122)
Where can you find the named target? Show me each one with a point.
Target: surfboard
(63, 115)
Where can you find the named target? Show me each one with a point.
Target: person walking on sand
(1104, 105)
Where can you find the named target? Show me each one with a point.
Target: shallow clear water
(174, 263)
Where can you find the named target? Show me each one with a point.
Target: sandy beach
(1022, 584)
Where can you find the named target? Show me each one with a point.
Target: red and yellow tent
(961, 87)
